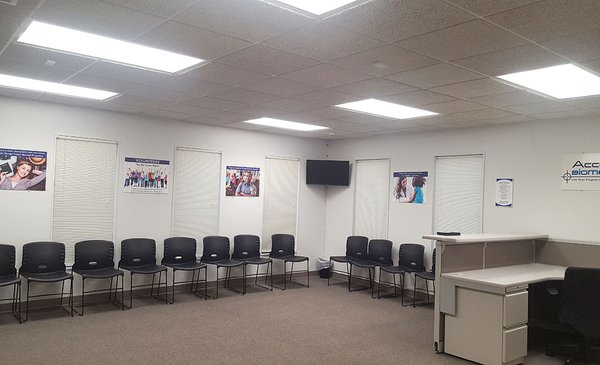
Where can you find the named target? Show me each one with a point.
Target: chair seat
(292, 258)
(107, 272)
(395, 269)
(364, 263)
(146, 269)
(48, 276)
(186, 266)
(9, 279)
(257, 260)
(225, 263)
(426, 275)
(343, 259)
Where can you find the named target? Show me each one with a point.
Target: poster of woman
(410, 187)
(242, 181)
(22, 169)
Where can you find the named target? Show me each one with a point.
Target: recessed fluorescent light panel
(278, 123)
(317, 7)
(561, 82)
(53, 88)
(104, 48)
(385, 109)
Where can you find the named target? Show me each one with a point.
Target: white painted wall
(33, 126)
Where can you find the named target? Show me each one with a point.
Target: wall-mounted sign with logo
(581, 172)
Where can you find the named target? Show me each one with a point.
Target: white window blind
(196, 193)
(458, 194)
(371, 198)
(281, 198)
(84, 191)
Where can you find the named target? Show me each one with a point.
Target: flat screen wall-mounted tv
(328, 172)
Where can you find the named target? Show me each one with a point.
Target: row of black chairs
(377, 253)
(44, 262)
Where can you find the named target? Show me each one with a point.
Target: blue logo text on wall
(581, 172)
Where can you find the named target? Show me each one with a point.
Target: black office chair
(579, 310)
(380, 255)
(246, 248)
(94, 259)
(410, 259)
(138, 256)
(427, 276)
(180, 254)
(8, 277)
(44, 262)
(283, 247)
(356, 249)
(216, 252)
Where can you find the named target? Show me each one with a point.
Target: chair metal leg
(27, 303)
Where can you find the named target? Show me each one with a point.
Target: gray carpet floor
(320, 324)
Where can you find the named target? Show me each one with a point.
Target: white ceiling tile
(8, 27)
(577, 47)
(393, 20)
(192, 110)
(209, 121)
(326, 75)
(418, 98)
(250, 20)
(319, 114)
(140, 102)
(474, 88)
(465, 124)
(161, 94)
(485, 114)
(214, 103)
(487, 7)
(538, 108)
(593, 66)
(244, 96)
(288, 105)
(389, 58)
(326, 98)
(159, 113)
(102, 83)
(281, 86)
(434, 75)
(562, 114)
(322, 41)
(191, 41)
(15, 93)
(588, 102)
(97, 17)
(270, 61)
(132, 74)
(511, 98)
(256, 111)
(516, 119)
(551, 18)
(34, 72)
(22, 54)
(453, 107)
(376, 87)
(522, 58)
(223, 74)
(463, 40)
(165, 9)
(21, 9)
(190, 85)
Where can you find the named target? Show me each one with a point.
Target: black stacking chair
(356, 249)
(216, 252)
(283, 248)
(180, 255)
(94, 259)
(246, 248)
(410, 259)
(427, 276)
(380, 255)
(44, 262)
(8, 277)
(138, 256)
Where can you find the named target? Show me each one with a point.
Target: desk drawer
(514, 343)
(515, 309)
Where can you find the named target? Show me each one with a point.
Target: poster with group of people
(242, 181)
(143, 175)
(410, 187)
(22, 169)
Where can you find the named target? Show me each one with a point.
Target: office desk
(460, 254)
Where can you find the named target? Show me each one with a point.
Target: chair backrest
(580, 301)
(138, 252)
(433, 262)
(356, 247)
(380, 251)
(43, 257)
(215, 248)
(410, 256)
(7, 260)
(179, 250)
(94, 254)
(245, 246)
(282, 245)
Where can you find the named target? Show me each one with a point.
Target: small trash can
(324, 267)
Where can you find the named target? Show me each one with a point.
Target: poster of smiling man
(242, 181)
(22, 169)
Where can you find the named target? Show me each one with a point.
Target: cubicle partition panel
(498, 254)
(460, 257)
(568, 253)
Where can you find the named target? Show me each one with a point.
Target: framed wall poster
(504, 192)
(410, 187)
(144, 175)
(23, 169)
(242, 181)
